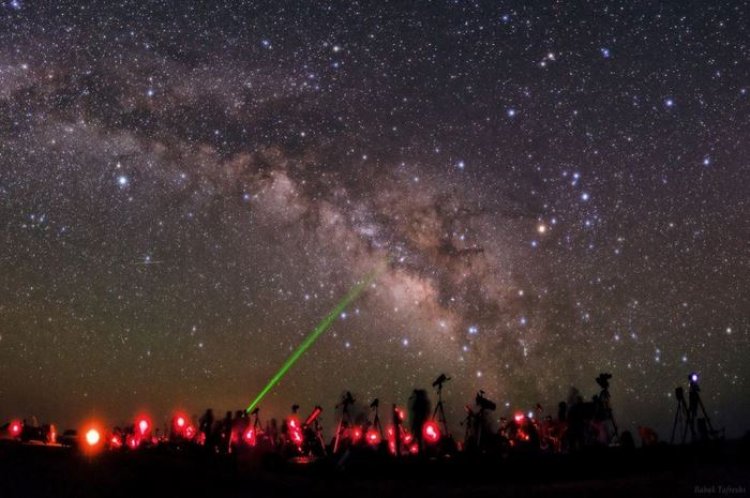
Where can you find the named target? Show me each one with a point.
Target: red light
(143, 426)
(401, 414)
(356, 434)
(93, 437)
(181, 422)
(373, 437)
(249, 436)
(115, 441)
(132, 442)
(414, 449)
(406, 437)
(295, 433)
(431, 432)
(518, 417)
(292, 422)
(190, 432)
(15, 428)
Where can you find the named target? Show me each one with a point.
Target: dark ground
(720, 470)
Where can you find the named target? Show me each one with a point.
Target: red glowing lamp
(431, 432)
(356, 434)
(180, 422)
(93, 437)
(518, 417)
(249, 436)
(115, 441)
(406, 437)
(295, 431)
(373, 437)
(401, 414)
(190, 432)
(131, 442)
(15, 428)
(143, 425)
(292, 421)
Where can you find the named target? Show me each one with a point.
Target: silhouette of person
(205, 425)
(239, 424)
(225, 432)
(419, 412)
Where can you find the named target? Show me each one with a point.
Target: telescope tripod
(438, 414)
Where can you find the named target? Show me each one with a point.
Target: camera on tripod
(485, 404)
(603, 380)
(438, 383)
(346, 400)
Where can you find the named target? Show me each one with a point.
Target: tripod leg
(689, 424)
(674, 425)
(614, 425)
(338, 436)
(708, 420)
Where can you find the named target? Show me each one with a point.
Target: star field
(186, 190)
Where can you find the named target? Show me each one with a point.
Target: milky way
(186, 191)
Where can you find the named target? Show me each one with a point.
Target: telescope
(312, 417)
(484, 403)
(603, 380)
(346, 400)
(440, 381)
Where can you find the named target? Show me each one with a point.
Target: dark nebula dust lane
(186, 190)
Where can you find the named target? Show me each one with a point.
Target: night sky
(560, 188)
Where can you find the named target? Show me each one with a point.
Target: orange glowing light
(93, 437)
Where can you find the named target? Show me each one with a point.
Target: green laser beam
(313, 336)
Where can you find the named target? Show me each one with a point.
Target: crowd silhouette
(576, 425)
